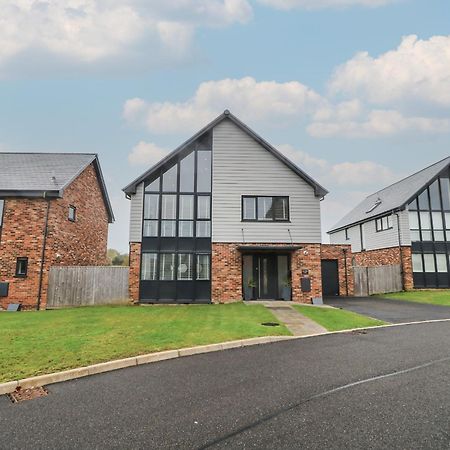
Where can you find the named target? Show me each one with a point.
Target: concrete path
(297, 323)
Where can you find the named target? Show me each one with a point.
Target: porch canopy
(268, 248)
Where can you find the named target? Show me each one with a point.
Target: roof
(226, 115)
(392, 198)
(46, 174)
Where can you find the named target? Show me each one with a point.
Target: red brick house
(227, 217)
(54, 211)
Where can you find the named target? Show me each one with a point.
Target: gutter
(41, 271)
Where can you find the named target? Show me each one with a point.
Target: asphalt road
(388, 388)
(394, 311)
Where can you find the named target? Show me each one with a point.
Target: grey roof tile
(40, 171)
(393, 197)
(33, 174)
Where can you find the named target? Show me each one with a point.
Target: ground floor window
(175, 266)
(431, 268)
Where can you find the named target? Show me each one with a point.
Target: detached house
(54, 211)
(227, 217)
(407, 223)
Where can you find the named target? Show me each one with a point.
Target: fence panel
(88, 285)
(377, 280)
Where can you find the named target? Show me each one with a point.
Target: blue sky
(357, 92)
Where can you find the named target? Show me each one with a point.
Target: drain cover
(21, 395)
(359, 332)
(270, 324)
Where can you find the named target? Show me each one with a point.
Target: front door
(266, 276)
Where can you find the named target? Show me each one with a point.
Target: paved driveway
(384, 389)
(395, 311)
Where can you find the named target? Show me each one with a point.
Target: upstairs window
(2, 205)
(384, 223)
(72, 213)
(265, 209)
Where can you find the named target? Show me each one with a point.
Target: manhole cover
(358, 332)
(270, 324)
(21, 395)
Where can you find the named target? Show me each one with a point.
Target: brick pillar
(307, 258)
(135, 270)
(407, 268)
(226, 273)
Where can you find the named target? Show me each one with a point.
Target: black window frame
(74, 209)
(273, 219)
(379, 227)
(19, 260)
(179, 290)
(2, 209)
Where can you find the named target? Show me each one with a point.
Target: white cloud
(317, 4)
(258, 101)
(417, 70)
(146, 154)
(362, 173)
(87, 31)
(359, 173)
(378, 123)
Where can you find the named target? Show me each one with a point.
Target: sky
(355, 92)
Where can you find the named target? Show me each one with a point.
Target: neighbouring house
(226, 217)
(408, 224)
(54, 211)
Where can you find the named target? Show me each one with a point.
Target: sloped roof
(36, 174)
(226, 115)
(394, 197)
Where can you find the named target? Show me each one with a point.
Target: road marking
(319, 396)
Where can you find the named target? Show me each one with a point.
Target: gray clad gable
(226, 115)
(39, 174)
(392, 198)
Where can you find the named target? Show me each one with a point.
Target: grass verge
(434, 297)
(35, 343)
(337, 319)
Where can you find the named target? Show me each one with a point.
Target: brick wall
(135, 270)
(336, 252)
(83, 242)
(22, 236)
(388, 256)
(227, 272)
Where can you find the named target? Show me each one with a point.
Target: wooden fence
(87, 286)
(377, 280)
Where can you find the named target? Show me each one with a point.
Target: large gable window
(265, 209)
(176, 230)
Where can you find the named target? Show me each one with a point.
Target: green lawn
(337, 319)
(434, 297)
(34, 343)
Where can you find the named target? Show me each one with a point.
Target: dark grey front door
(266, 276)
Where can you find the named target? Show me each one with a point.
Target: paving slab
(297, 323)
